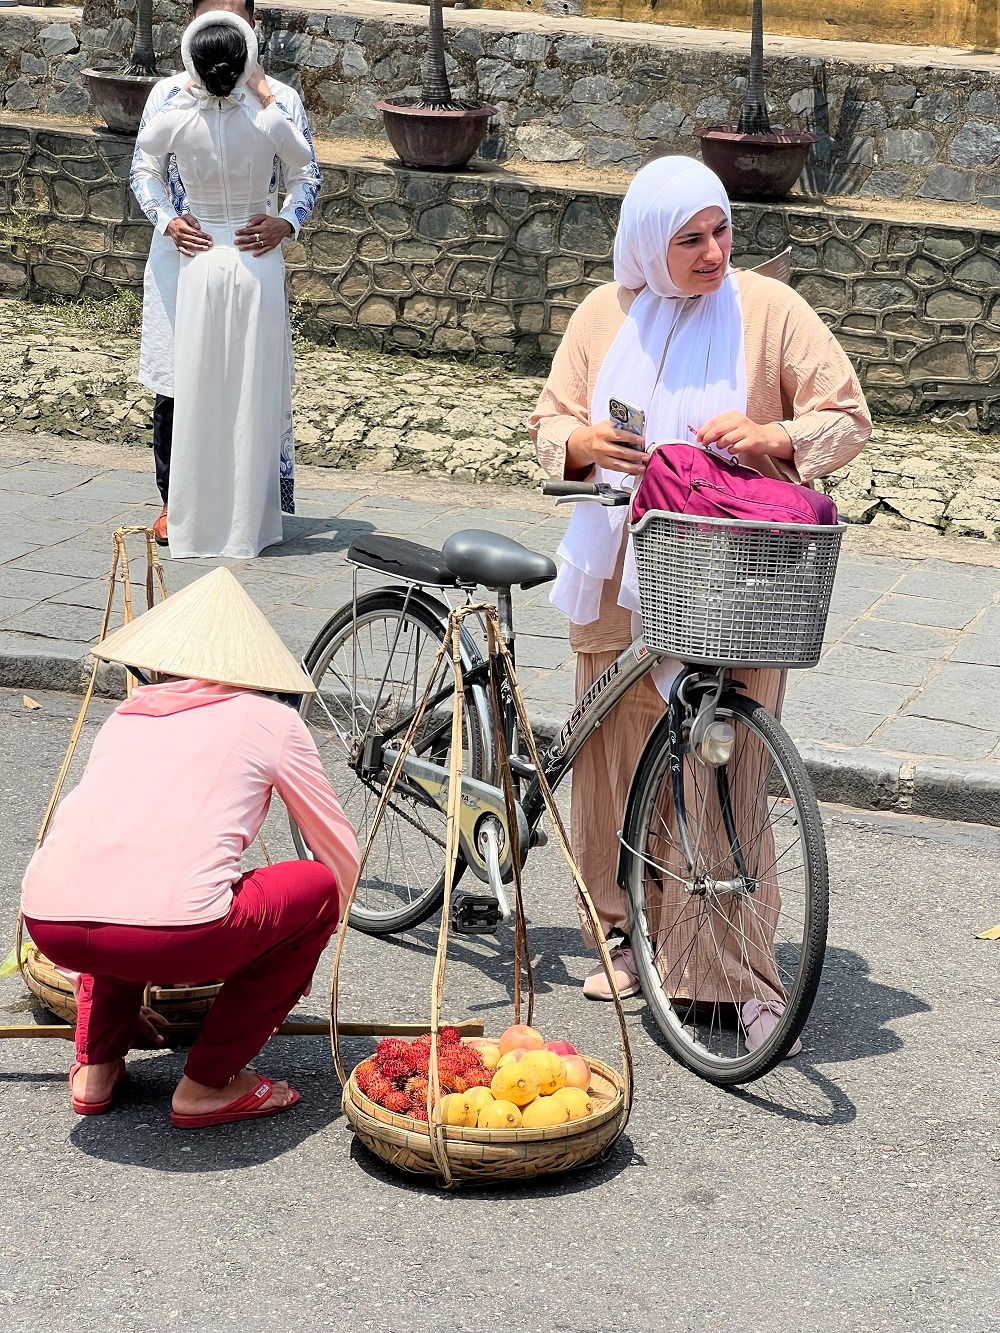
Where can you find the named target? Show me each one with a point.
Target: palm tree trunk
(143, 60)
(753, 116)
(436, 90)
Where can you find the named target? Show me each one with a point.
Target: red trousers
(265, 951)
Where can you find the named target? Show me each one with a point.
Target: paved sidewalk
(901, 712)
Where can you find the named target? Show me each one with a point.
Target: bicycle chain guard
(479, 802)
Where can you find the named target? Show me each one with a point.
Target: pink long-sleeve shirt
(178, 784)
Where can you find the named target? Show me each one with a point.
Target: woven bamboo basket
(451, 1154)
(489, 1154)
(177, 1004)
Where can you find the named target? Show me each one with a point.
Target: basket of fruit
(477, 1110)
(519, 1107)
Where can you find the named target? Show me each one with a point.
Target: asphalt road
(859, 1187)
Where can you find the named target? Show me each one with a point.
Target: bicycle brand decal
(639, 651)
(584, 707)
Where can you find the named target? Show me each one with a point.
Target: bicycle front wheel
(371, 668)
(742, 929)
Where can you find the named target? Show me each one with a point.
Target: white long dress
(232, 387)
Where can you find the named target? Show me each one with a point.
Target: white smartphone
(629, 418)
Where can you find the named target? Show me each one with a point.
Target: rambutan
(454, 1082)
(379, 1088)
(449, 1036)
(363, 1074)
(419, 1113)
(391, 1048)
(396, 1071)
(416, 1090)
(422, 1061)
(477, 1077)
(397, 1101)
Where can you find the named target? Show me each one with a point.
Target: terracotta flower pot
(119, 98)
(432, 139)
(755, 166)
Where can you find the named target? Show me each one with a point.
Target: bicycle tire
(424, 616)
(687, 1040)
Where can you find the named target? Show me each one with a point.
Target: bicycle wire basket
(718, 591)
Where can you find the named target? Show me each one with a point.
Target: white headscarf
(223, 18)
(704, 372)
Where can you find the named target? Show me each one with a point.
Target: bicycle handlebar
(568, 488)
(569, 492)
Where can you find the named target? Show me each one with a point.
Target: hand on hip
(262, 234)
(186, 233)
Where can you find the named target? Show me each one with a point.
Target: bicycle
(722, 857)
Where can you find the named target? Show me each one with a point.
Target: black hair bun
(219, 55)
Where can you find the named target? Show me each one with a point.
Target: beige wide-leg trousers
(723, 963)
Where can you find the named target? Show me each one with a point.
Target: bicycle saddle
(495, 561)
(401, 559)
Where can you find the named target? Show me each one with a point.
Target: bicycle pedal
(472, 915)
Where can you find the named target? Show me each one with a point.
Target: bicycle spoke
(733, 925)
(373, 673)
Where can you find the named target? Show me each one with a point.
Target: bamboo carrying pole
(306, 1027)
(501, 666)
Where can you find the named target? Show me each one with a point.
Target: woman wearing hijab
(125, 890)
(733, 362)
(232, 342)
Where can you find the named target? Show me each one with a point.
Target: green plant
(120, 314)
(753, 114)
(436, 90)
(143, 59)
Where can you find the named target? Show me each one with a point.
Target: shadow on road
(138, 1131)
(306, 536)
(850, 1021)
(545, 1187)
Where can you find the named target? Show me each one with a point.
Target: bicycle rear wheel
(706, 943)
(371, 669)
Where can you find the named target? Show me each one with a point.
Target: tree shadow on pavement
(315, 536)
(138, 1132)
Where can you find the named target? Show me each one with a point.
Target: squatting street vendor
(140, 880)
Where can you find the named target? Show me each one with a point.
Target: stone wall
(40, 61)
(610, 96)
(492, 263)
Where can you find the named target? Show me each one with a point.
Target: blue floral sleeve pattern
(303, 186)
(151, 192)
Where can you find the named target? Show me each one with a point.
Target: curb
(952, 789)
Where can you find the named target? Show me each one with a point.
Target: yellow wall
(961, 23)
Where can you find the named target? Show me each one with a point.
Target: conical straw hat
(210, 630)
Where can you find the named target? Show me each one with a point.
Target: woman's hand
(257, 83)
(745, 439)
(146, 1029)
(605, 446)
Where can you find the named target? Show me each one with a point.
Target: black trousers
(163, 438)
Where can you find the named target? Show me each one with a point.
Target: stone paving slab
(901, 711)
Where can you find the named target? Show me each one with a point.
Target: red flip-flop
(246, 1107)
(94, 1108)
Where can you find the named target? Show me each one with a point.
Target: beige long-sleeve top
(797, 374)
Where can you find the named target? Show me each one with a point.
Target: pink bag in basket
(684, 480)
